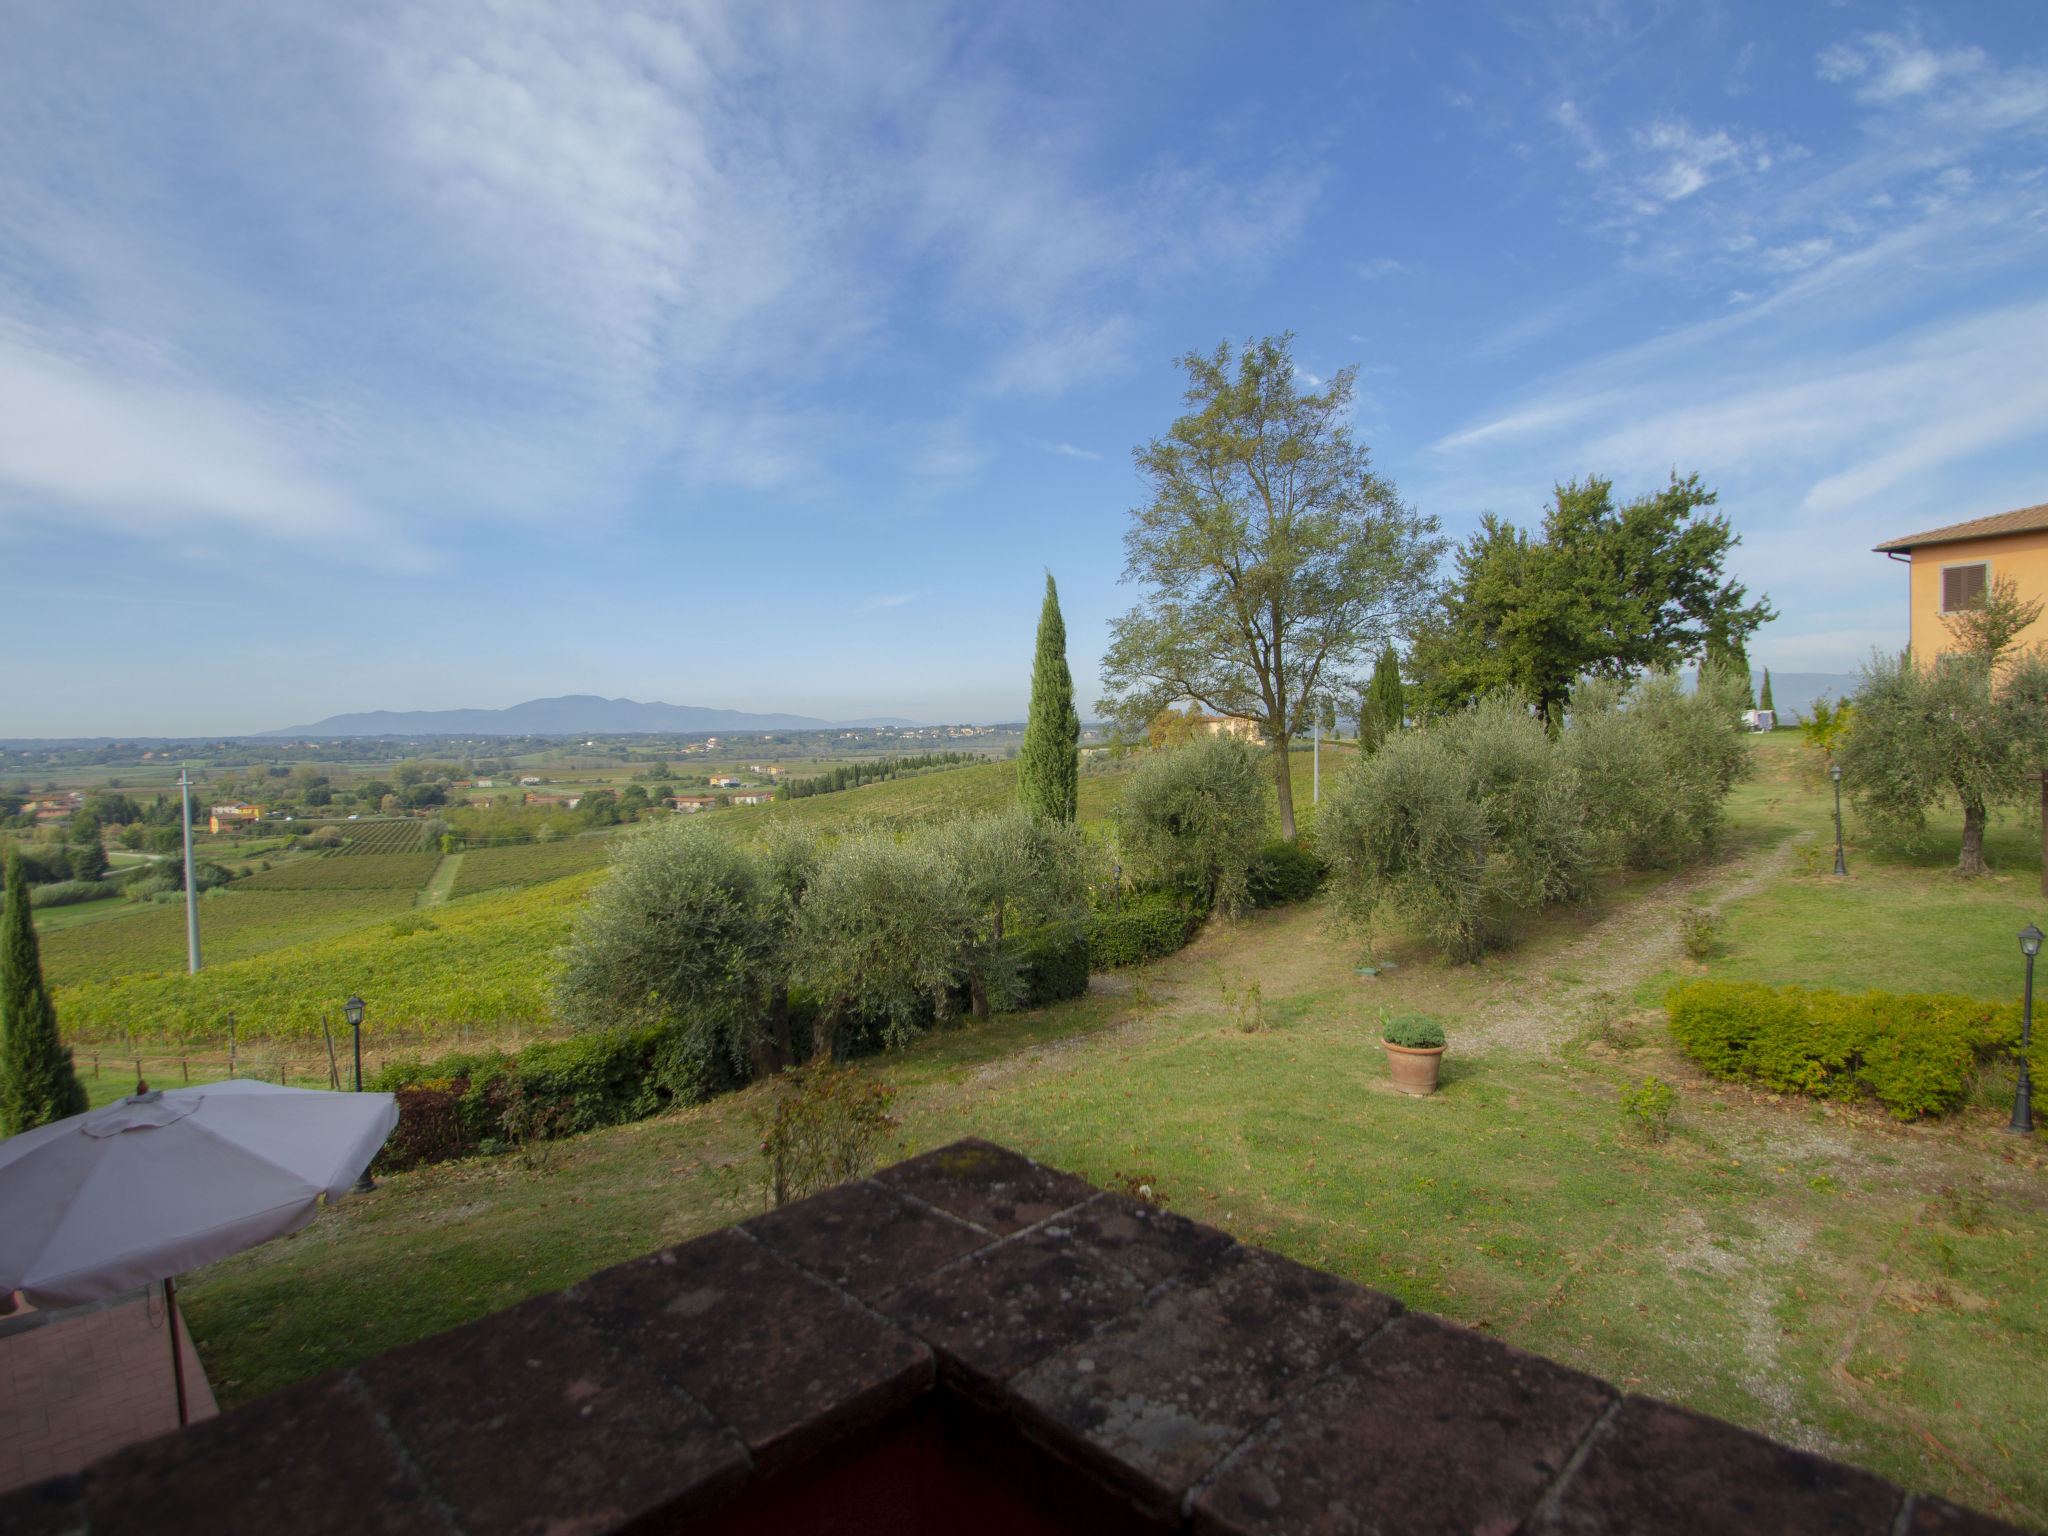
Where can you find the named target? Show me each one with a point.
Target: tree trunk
(765, 1063)
(1971, 862)
(825, 1033)
(977, 989)
(778, 1025)
(1283, 782)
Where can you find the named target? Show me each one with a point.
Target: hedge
(1284, 872)
(1148, 927)
(1914, 1052)
(1055, 967)
(457, 1104)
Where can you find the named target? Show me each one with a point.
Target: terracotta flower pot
(1412, 1070)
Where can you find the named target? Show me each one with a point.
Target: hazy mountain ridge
(565, 716)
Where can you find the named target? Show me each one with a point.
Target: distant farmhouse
(1955, 568)
(233, 814)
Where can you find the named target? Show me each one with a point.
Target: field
(524, 864)
(340, 872)
(383, 837)
(1819, 1272)
(234, 925)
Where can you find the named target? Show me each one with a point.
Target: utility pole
(191, 900)
(1316, 756)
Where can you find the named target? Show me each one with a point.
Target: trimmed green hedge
(1914, 1052)
(1150, 927)
(1055, 967)
(1284, 872)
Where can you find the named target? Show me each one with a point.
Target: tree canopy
(1275, 560)
(1603, 591)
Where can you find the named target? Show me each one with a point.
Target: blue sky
(433, 355)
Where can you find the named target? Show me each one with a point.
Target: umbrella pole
(177, 1360)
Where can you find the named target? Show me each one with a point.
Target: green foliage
(69, 893)
(827, 1126)
(37, 1083)
(1646, 1108)
(1011, 872)
(1826, 723)
(1275, 559)
(1930, 736)
(1990, 627)
(1054, 965)
(687, 930)
(1699, 930)
(1284, 872)
(854, 775)
(1654, 764)
(1914, 1053)
(1458, 827)
(1383, 704)
(1149, 926)
(1049, 766)
(523, 864)
(350, 871)
(1413, 1031)
(1604, 591)
(1193, 820)
(1763, 699)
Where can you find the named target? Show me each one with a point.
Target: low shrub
(1054, 965)
(1282, 872)
(1699, 930)
(549, 1088)
(1413, 1031)
(828, 1124)
(1915, 1053)
(1146, 927)
(1646, 1108)
(69, 893)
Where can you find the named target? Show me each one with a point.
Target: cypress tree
(1765, 701)
(37, 1084)
(1386, 701)
(1049, 767)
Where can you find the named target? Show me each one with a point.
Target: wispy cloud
(1069, 451)
(889, 600)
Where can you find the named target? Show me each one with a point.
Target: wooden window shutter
(1962, 586)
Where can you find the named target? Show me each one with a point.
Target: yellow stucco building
(1955, 566)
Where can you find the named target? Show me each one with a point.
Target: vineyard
(234, 924)
(485, 967)
(335, 872)
(400, 835)
(524, 864)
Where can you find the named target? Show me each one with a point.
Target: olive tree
(1459, 828)
(1017, 873)
(688, 930)
(1654, 763)
(1194, 818)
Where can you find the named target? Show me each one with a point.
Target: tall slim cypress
(37, 1084)
(1049, 767)
(1765, 701)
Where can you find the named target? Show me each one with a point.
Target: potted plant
(1415, 1050)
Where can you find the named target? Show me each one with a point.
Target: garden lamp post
(352, 1010)
(2023, 1097)
(1835, 773)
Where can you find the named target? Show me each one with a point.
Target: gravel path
(1615, 955)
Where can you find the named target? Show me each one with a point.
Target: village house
(232, 814)
(757, 797)
(690, 802)
(563, 801)
(1955, 568)
(1231, 725)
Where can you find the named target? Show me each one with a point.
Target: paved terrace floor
(78, 1384)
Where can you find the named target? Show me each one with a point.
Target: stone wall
(968, 1342)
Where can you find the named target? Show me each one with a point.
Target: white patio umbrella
(162, 1182)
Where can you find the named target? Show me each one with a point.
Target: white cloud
(889, 600)
(1068, 450)
(1687, 161)
(167, 459)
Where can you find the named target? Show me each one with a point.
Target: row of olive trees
(712, 936)
(1484, 815)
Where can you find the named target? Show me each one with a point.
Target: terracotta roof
(2026, 520)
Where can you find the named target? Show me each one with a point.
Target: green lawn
(1818, 1272)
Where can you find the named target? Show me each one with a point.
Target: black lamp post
(352, 1010)
(2023, 1098)
(1835, 773)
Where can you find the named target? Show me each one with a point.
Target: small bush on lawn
(827, 1126)
(1150, 926)
(1647, 1107)
(1915, 1053)
(1054, 964)
(1283, 872)
(1700, 931)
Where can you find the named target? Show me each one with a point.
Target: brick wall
(968, 1342)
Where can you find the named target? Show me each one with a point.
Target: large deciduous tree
(1603, 591)
(37, 1082)
(1275, 560)
(1049, 766)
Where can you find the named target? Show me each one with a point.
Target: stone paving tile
(1938, 1517)
(598, 1440)
(1432, 1428)
(79, 1387)
(790, 1363)
(867, 1237)
(1012, 1305)
(1661, 1468)
(998, 1190)
(1162, 1393)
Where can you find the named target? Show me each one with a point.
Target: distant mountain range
(1793, 693)
(571, 715)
